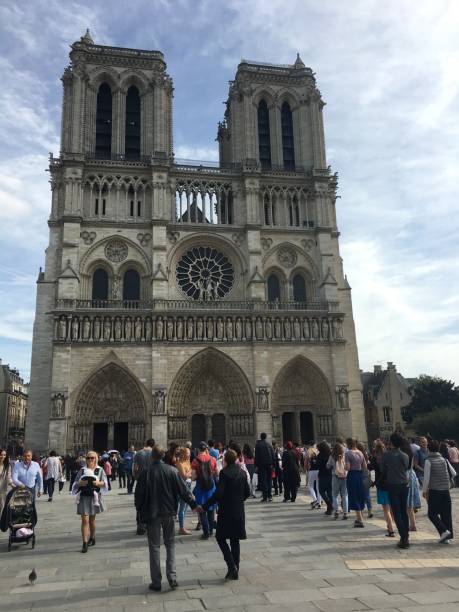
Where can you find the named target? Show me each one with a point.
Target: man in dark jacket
(395, 465)
(156, 499)
(264, 461)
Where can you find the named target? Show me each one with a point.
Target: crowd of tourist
(215, 480)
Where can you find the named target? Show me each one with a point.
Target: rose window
(203, 273)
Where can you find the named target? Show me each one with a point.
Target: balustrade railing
(161, 305)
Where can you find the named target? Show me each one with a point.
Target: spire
(87, 38)
(298, 62)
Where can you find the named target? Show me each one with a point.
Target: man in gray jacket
(156, 499)
(394, 468)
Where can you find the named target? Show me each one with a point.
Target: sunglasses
(90, 457)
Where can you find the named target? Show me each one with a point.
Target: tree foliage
(440, 423)
(429, 393)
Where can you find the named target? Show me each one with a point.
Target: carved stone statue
(343, 397)
(210, 329)
(269, 328)
(325, 329)
(159, 402)
(75, 328)
(287, 328)
(190, 329)
(248, 328)
(116, 287)
(138, 329)
(306, 332)
(117, 329)
(219, 328)
(58, 406)
(96, 330)
(179, 328)
(239, 328)
(148, 329)
(262, 399)
(339, 329)
(315, 329)
(128, 329)
(170, 328)
(259, 328)
(107, 329)
(229, 329)
(199, 329)
(297, 329)
(86, 328)
(62, 328)
(159, 328)
(278, 329)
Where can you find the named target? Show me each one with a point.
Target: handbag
(452, 482)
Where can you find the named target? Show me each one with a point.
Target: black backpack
(205, 478)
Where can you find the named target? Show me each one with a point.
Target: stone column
(90, 125)
(118, 122)
(275, 133)
(318, 140)
(111, 434)
(159, 429)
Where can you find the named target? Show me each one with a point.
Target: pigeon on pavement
(32, 576)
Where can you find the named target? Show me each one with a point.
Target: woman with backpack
(204, 472)
(325, 476)
(337, 465)
(90, 483)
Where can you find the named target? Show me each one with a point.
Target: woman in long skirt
(90, 483)
(355, 463)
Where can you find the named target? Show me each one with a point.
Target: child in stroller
(20, 517)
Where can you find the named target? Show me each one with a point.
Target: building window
(96, 206)
(131, 208)
(139, 208)
(294, 212)
(203, 273)
(100, 285)
(287, 137)
(386, 414)
(131, 285)
(264, 139)
(103, 206)
(274, 292)
(299, 288)
(132, 124)
(104, 122)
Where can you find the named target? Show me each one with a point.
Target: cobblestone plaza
(293, 557)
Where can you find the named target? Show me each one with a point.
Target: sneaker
(172, 583)
(446, 535)
(403, 544)
(358, 524)
(336, 515)
(370, 514)
(344, 517)
(154, 587)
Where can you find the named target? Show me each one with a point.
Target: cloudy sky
(389, 74)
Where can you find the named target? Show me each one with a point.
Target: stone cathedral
(190, 301)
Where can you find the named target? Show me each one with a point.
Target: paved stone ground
(293, 557)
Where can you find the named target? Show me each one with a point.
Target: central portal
(210, 398)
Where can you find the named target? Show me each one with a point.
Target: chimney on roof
(377, 369)
(390, 365)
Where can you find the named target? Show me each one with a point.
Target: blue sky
(389, 74)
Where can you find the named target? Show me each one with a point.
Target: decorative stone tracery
(116, 250)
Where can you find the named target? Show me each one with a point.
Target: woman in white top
(5, 477)
(53, 472)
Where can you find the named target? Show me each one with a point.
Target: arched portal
(212, 386)
(110, 411)
(302, 403)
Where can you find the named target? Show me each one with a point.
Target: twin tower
(182, 301)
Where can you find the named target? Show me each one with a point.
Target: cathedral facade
(186, 301)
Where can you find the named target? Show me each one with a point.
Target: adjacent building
(191, 300)
(14, 395)
(385, 393)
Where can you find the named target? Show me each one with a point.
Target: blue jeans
(207, 522)
(339, 488)
(183, 508)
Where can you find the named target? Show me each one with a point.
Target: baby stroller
(21, 517)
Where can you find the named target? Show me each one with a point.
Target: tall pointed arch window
(299, 288)
(100, 285)
(274, 290)
(104, 122)
(287, 137)
(132, 150)
(264, 138)
(131, 286)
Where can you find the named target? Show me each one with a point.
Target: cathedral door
(306, 427)
(288, 426)
(121, 437)
(219, 428)
(100, 437)
(198, 429)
